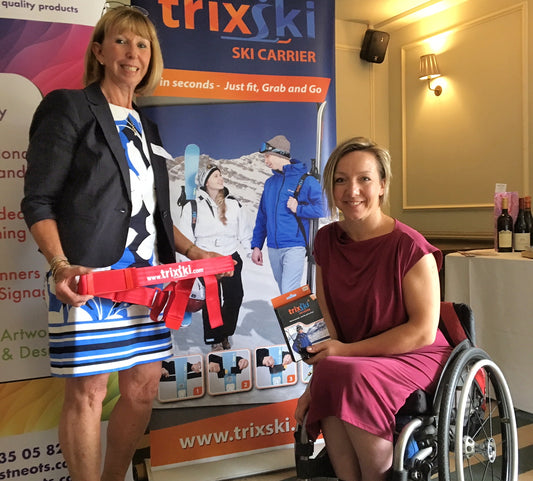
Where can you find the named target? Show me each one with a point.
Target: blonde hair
(363, 144)
(220, 201)
(132, 20)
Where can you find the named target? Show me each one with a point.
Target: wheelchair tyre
(478, 405)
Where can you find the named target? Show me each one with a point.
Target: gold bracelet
(57, 263)
(188, 249)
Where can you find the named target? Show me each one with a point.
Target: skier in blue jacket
(290, 199)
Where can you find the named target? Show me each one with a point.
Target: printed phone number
(30, 453)
(34, 453)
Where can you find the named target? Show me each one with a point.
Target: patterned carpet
(524, 422)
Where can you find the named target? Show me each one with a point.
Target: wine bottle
(521, 232)
(529, 218)
(504, 227)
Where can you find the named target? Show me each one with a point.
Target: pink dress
(363, 290)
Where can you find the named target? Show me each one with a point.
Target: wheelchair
(465, 431)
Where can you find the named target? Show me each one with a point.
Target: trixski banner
(241, 79)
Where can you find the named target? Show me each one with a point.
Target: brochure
(301, 321)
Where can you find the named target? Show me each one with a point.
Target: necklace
(131, 126)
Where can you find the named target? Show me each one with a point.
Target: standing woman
(220, 224)
(96, 197)
(378, 288)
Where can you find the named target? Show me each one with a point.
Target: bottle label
(521, 241)
(505, 239)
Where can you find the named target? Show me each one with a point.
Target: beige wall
(448, 151)
(362, 87)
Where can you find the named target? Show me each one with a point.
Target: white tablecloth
(499, 289)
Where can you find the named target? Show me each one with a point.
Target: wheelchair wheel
(477, 437)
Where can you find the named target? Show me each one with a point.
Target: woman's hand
(302, 406)
(46, 236)
(214, 367)
(268, 361)
(187, 248)
(243, 364)
(287, 359)
(66, 281)
(196, 253)
(324, 349)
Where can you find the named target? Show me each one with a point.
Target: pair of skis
(192, 161)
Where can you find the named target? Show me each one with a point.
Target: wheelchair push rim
(482, 411)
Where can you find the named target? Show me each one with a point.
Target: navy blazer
(78, 175)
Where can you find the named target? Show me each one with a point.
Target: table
(499, 289)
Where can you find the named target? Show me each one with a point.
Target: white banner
(77, 12)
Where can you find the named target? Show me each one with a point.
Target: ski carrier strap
(132, 285)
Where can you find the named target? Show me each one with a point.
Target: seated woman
(378, 288)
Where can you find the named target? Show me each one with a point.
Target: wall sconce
(430, 70)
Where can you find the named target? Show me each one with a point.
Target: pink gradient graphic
(49, 54)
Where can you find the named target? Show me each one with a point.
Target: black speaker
(374, 46)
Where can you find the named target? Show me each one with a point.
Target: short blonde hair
(363, 144)
(132, 20)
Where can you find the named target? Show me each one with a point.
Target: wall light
(429, 70)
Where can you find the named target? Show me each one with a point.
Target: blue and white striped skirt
(102, 336)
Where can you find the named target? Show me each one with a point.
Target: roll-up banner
(43, 45)
(237, 74)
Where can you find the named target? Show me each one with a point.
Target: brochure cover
(301, 321)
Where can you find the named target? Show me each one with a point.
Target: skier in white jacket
(217, 222)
